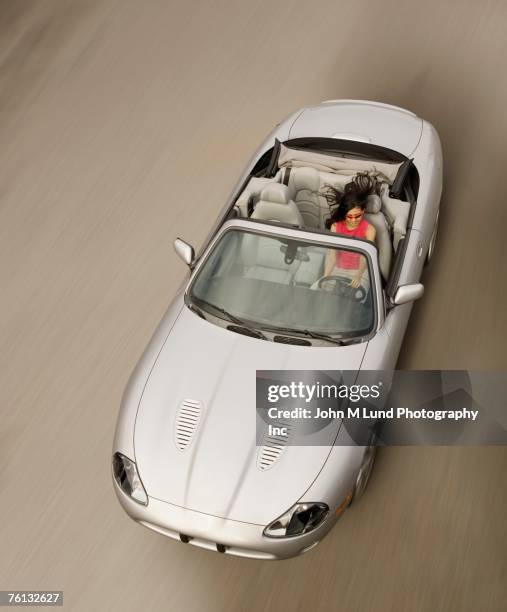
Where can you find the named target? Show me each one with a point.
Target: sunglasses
(358, 216)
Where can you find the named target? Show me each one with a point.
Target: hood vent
(272, 450)
(187, 421)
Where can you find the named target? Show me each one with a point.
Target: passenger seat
(275, 205)
(303, 184)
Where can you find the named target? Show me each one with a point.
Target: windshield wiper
(326, 337)
(197, 311)
(234, 319)
(287, 330)
(307, 332)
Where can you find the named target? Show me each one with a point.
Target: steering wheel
(343, 288)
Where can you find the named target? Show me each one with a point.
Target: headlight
(125, 474)
(300, 519)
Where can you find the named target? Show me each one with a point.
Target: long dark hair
(355, 195)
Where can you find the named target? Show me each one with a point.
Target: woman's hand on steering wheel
(356, 280)
(343, 287)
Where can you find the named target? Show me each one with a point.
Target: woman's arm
(356, 281)
(330, 258)
(330, 262)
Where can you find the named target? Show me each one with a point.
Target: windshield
(277, 282)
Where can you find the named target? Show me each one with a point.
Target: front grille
(209, 544)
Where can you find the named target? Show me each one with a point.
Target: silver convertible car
(187, 462)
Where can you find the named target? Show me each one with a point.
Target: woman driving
(348, 219)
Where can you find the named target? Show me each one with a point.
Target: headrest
(304, 178)
(338, 181)
(275, 192)
(278, 211)
(373, 203)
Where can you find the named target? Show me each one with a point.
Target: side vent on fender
(187, 422)
(273, 447)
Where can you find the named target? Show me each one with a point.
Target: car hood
(217, 473)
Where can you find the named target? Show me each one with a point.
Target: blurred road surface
(124, 124)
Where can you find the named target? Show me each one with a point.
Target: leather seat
(312, 269)
(303, 184)
(263, 259)
(275, 205)
(382, 238)
(397, 213)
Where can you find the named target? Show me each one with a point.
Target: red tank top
(346, 259)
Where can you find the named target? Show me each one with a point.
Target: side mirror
(185, 251)
(408, 293)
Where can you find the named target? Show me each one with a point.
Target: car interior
(275, 281)
(290, 190)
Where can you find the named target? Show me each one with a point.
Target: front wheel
(433, 240)
(364, 473)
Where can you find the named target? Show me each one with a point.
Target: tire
(364, 473)
(433, 240)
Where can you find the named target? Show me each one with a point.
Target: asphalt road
(124, 124)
